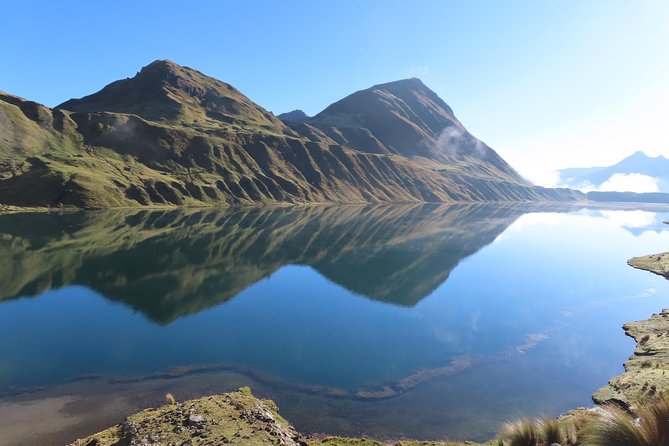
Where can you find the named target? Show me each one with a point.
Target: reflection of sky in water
(541, 306)
(635, 221)
(631, 219)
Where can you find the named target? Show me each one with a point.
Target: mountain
(628, 197)
(172, 136)
(639, 163)
(295, 116)
(171, 263)
(164, 91)
(406, 118)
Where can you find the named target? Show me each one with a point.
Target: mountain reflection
(171, 263)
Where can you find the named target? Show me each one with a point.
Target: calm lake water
(425, 321)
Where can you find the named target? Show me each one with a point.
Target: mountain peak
(161, 70)
(641, 155)
(162, 64)
(408, 82)
(166, 91)
(406, 118)
(295, 116)
(638, 154)
(165, 71)
(410, 98)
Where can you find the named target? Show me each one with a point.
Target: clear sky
(548, 84)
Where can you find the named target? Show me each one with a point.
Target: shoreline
(647, 369)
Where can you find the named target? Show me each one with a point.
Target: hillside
(406, 118)
(172, 136)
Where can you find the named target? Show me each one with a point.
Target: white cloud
(618, 182)
(450, 138)
(633, 182)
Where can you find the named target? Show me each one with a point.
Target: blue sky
(548, 84)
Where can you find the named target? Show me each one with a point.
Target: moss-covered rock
(236, 418)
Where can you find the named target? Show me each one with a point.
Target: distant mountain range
(173, 136)
(604, 178)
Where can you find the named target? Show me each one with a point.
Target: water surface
(420, 321)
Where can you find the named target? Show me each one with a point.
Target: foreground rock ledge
(233, 418)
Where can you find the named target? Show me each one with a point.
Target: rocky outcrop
(232, 418)
(647, 370)
(236, 418)
(654, 263)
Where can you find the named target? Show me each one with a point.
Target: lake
(427, 322)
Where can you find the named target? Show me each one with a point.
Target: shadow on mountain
(171, 263)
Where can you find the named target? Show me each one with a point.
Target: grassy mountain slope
(407, 118)
(171, 136)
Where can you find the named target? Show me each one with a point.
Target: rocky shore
(646, 371)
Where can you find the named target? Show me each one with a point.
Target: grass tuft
(550, 431)
(521, 432)
(648, 426)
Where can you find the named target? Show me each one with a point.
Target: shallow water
(421, 321)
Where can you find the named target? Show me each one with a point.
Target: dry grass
(521, 432)
(543, 432)
(647, 426)
(169, 399)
